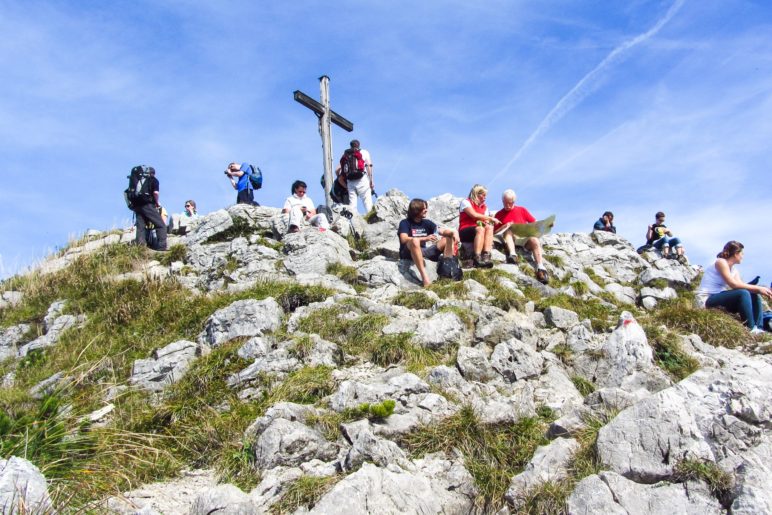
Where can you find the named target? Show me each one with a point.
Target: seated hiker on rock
(605, 223)
(300, 210)
(475, 225)
(721, 286)
(416, 230)
(512, 214)
(661, 238)
(180, 222)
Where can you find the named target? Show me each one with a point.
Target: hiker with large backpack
(356, 167)
(142, 197)
(245, 178)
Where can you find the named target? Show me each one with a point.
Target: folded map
(537, 229)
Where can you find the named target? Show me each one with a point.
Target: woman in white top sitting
(722, 286)
(300, 209)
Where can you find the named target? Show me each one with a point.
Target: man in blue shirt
(240, 181)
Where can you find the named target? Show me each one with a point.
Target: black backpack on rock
(450, 268)
(138, 193)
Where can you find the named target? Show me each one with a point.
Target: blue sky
(580, 107)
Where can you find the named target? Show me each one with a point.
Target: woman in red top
(475, 225)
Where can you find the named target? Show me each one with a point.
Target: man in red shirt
(512, 214)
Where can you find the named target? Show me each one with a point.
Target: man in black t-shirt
(147, 211)
(415, 231)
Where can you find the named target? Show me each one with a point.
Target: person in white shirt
(359, 181)
(300, 209)
(722, 287)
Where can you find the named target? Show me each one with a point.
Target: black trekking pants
(149, 213)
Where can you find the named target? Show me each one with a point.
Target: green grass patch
(579, 287)
(502, 297)
(564, 353)
(718, 480)
(669, 354)
(714, 326)
(600, 281)
(399, 349)
(585, 386)
(448, 288)
(304, 493)
(599, 314)
(492, 453)
(413, 300)
(467, 317)
(178, 252)
(240, 228)
(347, 274)
(547, 498)
(554, 259)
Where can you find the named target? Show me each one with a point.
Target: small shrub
(585, 386)
(413, 300)
(378, 411)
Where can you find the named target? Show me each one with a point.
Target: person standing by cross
(356, 167)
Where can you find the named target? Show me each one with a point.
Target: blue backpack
(255, 177)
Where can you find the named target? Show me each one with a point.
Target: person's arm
(479, 217)
(156, 196)
(650, 234)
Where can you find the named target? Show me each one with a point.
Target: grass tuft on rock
(669, 353)
(493, 453)
(712, 325)
(719, 481)
(413, 300)
(601, 316)
(585, 386)
(501, 296)
(303, 493)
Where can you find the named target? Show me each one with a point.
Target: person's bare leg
(509, 241)
(479, 240)
(488, 238)
(534, 246)
(418, 259)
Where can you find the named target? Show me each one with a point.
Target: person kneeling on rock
(416, 230)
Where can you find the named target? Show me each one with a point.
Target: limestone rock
(242, 318)
(23, 489)
(224, 500)
(474, 364)
(210, 225)
(441, 330)
(290, 443)
(366, 447)
(435, 486)
(611, 493)
(175, 496)
(515, 361)
(10, 339)
(560, 318)
(549, 464)
(310, 251)
(165, 366)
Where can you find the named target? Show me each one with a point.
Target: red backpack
(352, 164)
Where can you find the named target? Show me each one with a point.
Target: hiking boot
(512, 260)
(477, 261)
(486, 260)
(541, 276)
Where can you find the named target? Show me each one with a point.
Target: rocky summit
(248, 370)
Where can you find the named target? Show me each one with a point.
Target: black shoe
(541, 276)
(477, 261)
(486, 260)
(512, 260)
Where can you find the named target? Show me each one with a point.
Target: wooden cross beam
(326, 115)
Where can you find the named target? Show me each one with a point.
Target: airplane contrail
(586, 85)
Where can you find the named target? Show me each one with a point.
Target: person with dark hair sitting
(300, 210)
(605, 223)
(416, 231)
(661, 238)
(721, 286)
